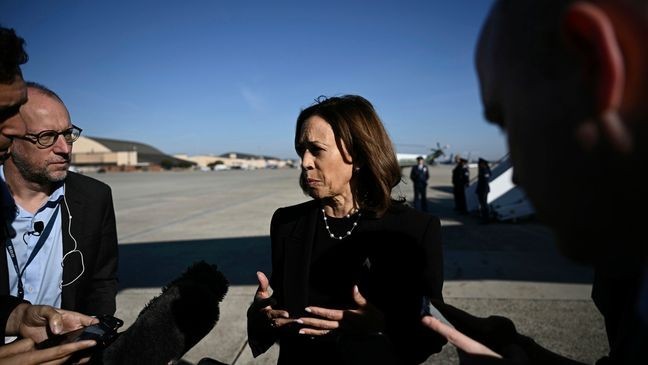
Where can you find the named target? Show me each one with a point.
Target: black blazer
(404, 251)
(93, 227)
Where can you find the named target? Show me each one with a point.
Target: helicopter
(431, 159)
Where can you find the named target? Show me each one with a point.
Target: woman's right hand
(263, 303)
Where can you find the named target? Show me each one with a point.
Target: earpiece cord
(67, 208)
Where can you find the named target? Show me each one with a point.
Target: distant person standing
(460, 180)
(420, 176)
(483, 188)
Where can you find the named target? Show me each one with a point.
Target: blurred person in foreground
(18, 317)
(344, 264)
(569, 78)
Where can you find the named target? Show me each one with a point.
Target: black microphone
(38, 227)
(173, 322)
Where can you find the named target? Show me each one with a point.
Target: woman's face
(326, 169)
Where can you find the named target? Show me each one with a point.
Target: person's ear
(593, 30)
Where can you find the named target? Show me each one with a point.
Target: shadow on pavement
(523, 251)
(443, 188)
(154, 264)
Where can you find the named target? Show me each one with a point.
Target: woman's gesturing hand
(364, 319)
(263, 303)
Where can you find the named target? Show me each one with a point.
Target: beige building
(87, 151)
(112, 154)
(234, 160)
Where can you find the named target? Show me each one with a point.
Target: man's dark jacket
(93, 227)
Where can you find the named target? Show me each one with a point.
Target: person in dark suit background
(460, 181)
(340, 261)
(420, 176)
(76, 267)
(483, 188)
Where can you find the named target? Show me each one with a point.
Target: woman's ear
(593, 30)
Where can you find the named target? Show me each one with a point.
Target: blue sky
(214, 76)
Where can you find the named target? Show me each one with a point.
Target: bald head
(564, 79)
(44, 110)
(524, 37)
(42, 89)
(33, 162)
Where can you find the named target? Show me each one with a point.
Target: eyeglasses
(47, 138)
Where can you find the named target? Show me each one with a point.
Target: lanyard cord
(41, 241)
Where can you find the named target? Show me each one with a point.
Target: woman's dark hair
(356, 124)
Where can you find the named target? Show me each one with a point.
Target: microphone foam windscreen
(173, 322)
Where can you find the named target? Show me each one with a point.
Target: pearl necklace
(348, 233)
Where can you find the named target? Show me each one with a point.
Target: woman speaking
(352, 269)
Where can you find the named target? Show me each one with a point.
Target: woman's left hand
(365, 319)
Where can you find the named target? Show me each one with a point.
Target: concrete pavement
(168, 220)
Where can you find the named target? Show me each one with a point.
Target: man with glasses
(18, 317)
(64, 253)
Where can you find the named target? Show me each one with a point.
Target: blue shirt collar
(53, 199)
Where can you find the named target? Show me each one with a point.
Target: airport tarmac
(168, 220)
